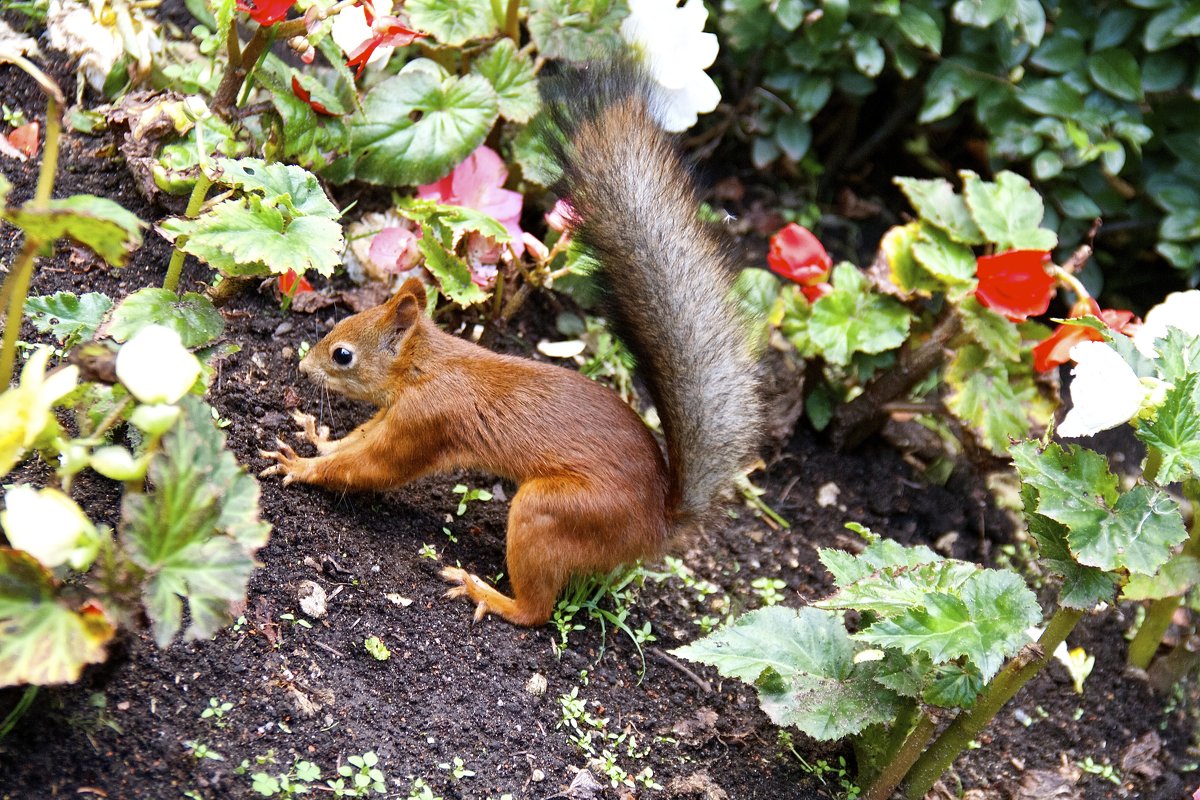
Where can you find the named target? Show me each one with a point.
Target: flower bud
(49, 526)
(155, 366)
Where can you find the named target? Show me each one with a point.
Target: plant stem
(16, 287)
(971, 722)
(895, 770)
(49, 166)
(13, 717)
(512, 22)
(175, 267)
(1161, 611)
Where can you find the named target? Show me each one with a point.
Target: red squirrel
(595, 490)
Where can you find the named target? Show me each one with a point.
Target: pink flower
(562, 216)
(395, 249)
(478, 183)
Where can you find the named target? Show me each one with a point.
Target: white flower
(25, 409)
(155, 366)
(675, 51)
(350, 29)
(49, 526)
(1105, 392)
(99, 34)
(1179, 310)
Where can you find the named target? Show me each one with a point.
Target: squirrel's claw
(317, 435)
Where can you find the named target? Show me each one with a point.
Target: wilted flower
(98, 34)
(796, 254)
(367, 40)
(675, 51)
(25, 409)
(394, 258)
(478, 183)
(1055, 349)
(49, 526)
(155, 366)
(1015, 283)
(1105, 392)
(1179, 310)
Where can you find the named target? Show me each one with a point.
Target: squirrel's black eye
(342, 356)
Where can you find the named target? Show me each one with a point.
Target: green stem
(13, 717)
(175, 267)
(49, 167)
(512, 22)
(914, 744)
(971, 722)
(16, 287)
(1161, 611)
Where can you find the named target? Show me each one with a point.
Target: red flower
(1015, 283)
(797, 255)
(816, 291)
(265, 12)
(292, 284)
(1055, 349)
(306, 96)
(389, 31)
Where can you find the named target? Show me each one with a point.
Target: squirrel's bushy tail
(669, 274)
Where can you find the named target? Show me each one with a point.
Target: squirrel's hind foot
(489, 601)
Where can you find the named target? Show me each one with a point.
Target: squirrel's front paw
(288, 464)
(317, 435)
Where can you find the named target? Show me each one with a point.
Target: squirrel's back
(668, 273)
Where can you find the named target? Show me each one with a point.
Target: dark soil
(306, 689)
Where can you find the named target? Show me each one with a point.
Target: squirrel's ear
(408, 304)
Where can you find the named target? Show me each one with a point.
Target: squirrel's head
(364, 355)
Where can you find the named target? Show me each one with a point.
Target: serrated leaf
(192, 316)
(985, 621)
(896, 589)
(1083, 587)
(452, 22)
(1133, 531)
(953, 686)
(274, 180)
(897, 247)
(848, 568)
(803, 663)
(451, 223)
(576, 30)
(1175, 431)
(511, 75)
(45, 642)
(69, 318)
(903, 674)
(452, 273)
(94, 222)
(1009, 211)
(852, 319)
(196, 532)
(413, 128)
(997, 399)
(1116, 71)
(995, 332)
(1178, 356)
(1174, 579)
(952, 264)
(938, 204)
(247, 236)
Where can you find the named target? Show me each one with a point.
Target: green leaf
(1175, 431)
(1053, 97)
(938, 204)
(984, 621)
(1008, 211)
(45, 642)
(869, 55)
(803, 664)
(94, 222)
(414, 127)
(852, 319)
(1134, 531)
(895, 590)
(983, 13)
(921, 29)
(249, 236)
(576, 30)
(452, 22)
(997, 399)
(69, 318)
(951, 263)
(196, 533)
(297, 188)
(451, 223)
(511, 75)
(995, 332)
(1060, 53)
(794, 137)
(1176, 578)
(192, 316)
(1116, 71)
(953, 686)
(1082, 587)
(903, 269)
(848, 568)
(452, 273)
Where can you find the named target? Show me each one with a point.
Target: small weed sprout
(200, 751)
(827, 774)
(378, 650)
(302, 350)
(216, 712)
(428, 551)
(470, 495)
(457, 769)
(1106, 771)
(588, 594)
(420, 791)
(603, 747)
(362, 773)
(769, 590)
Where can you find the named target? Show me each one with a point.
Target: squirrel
(594, 490)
